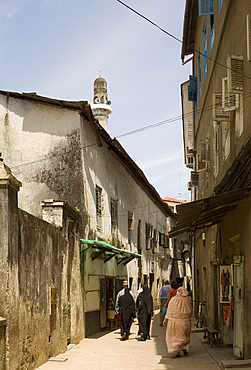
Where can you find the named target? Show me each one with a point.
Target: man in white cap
(117, 308)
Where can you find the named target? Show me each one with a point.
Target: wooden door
(238, 272)
(102, 316)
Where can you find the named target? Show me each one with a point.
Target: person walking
(127, 312)
(117, 308)
(178, 314)
(163, 294)
(144, 306)
(172, 292)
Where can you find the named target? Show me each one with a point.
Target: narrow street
(106, 351)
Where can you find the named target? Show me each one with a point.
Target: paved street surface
(105, 350)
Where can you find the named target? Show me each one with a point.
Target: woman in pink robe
(179, 312)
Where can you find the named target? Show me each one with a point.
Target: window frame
(204, 48)
(98, 190)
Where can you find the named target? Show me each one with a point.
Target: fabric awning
(206, 212)
(107, 251)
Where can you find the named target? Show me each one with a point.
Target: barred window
(99, 207)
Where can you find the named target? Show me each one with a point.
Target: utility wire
(176, 38)
(174, 119)
(144, 128)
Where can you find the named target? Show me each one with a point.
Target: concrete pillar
(9, 288)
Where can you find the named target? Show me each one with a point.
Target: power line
(148, 20)
(173, 119)
(177, 39)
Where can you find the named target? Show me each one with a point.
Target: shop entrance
(107, 301)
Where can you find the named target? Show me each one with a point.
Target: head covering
(180, 305)
(146, 297)
(126, 300)
(125, 283)
(182, 292)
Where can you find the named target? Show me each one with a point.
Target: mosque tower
(101, 107)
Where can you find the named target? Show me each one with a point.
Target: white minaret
(101, 107)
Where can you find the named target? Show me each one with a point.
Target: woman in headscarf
(144, 306)
(127, 312)
(179, 312)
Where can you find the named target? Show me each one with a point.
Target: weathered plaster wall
(36, 257)
(41, 145)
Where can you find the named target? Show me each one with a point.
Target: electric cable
(176, 38)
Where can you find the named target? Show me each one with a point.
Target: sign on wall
(225, 283)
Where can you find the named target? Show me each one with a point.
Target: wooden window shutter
(130, 220)
(190, 140)
(204, 155)
(248, 38)
(148, 230)
(162, 239)
(230, 100)
(166, 242)
(194, 178)
(99, 207)
(218, 112)
(206, 7)
(235, 73)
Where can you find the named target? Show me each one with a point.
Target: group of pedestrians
(175, 312)
(127, 307)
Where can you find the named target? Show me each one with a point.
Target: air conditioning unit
(189, 186)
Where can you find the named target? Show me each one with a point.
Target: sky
(57, 48)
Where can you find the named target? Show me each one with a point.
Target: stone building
(87, 211)
(216, 34)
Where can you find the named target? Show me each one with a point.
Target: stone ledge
(236, 364)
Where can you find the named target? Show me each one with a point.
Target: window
(216, 149)
(190, 140)
(239, 118)
(225, 139)
(192, 89)
(218, 113)
(204, 46)
(230, 100)
(235, 73)
(248, 38)
(148, 236)
(206, 7)
(162, 239)
(114, 216)
(204, 155)
(199, 74)
(219, 5)
(99, 207)
(211, 32)
(130, 226)
(154, 244)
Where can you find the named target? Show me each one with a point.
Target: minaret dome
(101, 107)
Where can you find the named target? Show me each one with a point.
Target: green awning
(107, 251)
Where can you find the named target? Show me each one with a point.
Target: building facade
(217, 141)
(116, 229)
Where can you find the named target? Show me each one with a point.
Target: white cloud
(8, 11)
(160, 161)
